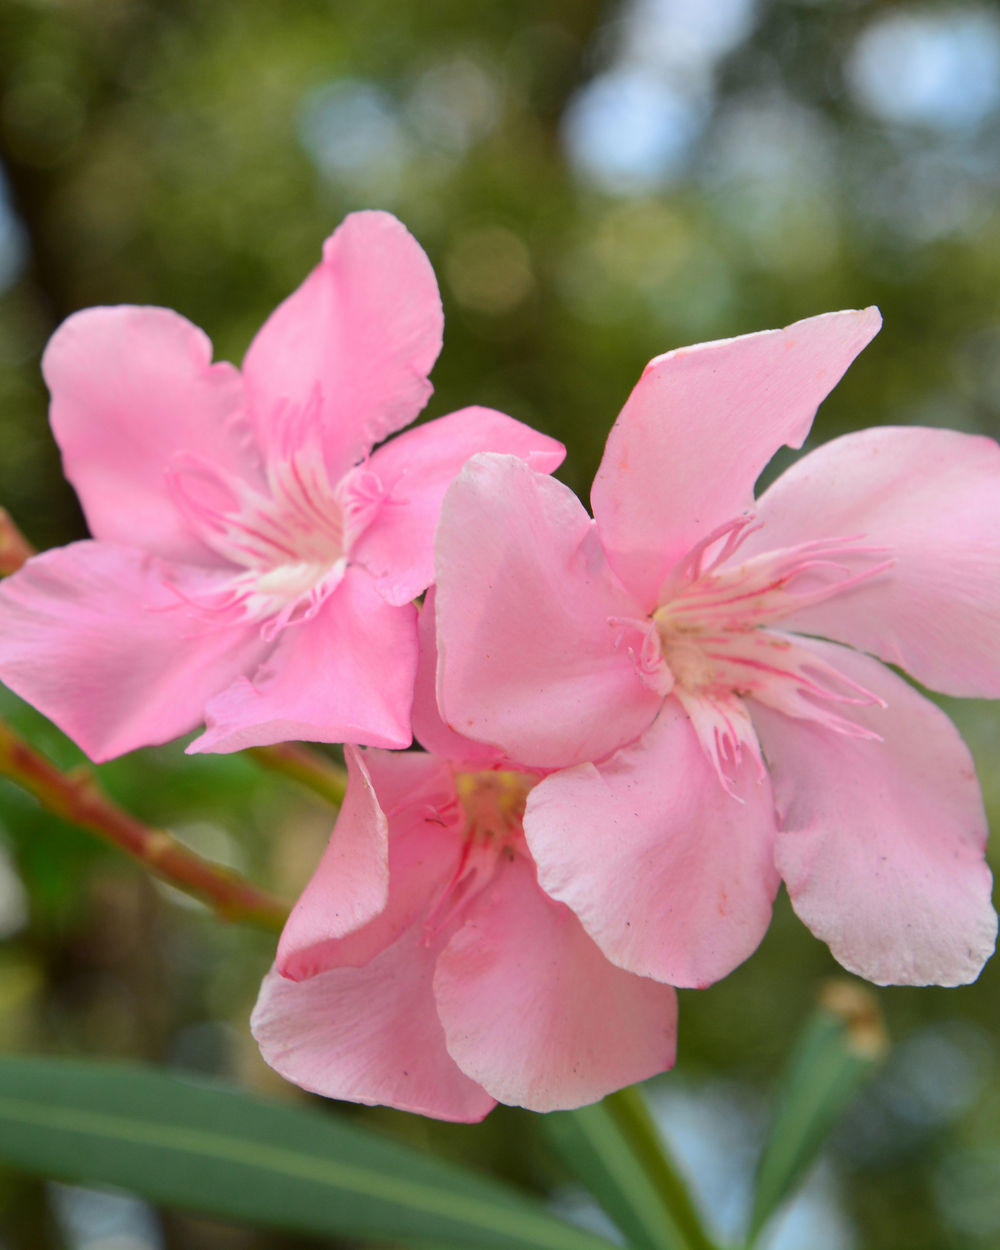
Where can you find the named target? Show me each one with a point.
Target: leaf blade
(613, 1149)
(837, 1051)
(220, 1151)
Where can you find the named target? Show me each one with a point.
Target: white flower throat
(289, 537)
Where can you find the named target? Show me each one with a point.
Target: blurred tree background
(595, 183)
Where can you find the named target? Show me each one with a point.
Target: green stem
(78, 798)
(310, 769)
(630, 1114)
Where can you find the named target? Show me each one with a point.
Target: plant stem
(630, 1113)
(310, 769)
(78, 798)
(14, 547)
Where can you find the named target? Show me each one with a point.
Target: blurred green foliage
(195, 155)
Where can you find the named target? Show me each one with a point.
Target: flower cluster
(635, 725)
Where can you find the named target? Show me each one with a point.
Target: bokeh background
(595, 183)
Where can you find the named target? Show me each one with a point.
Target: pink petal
(429, 728)
(932, 497)
(369, 1035)
(671, 876)
(529, 621)
(93, 636)
(351, 885)
(358, 1020)
(410, 781)
(416, 794)
(881, 842)
(364, 329)
(346, 675)
(415, 470)
(534, 1012)
(700, 425)
(131, 389)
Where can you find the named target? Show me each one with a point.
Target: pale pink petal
(369, 1035)
(672, 876)
(131, 389)
(409, 781)
(534, 1012)
(415, 470)
(530, 621)
(932, 498)
(429, 728)
(358, 1020)
(350, 886)
(94, 636)
(424, 852)
(362, 332)
(881, 842)
(346, 675)
(700, 425)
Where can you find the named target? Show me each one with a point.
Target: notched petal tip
(702, 422)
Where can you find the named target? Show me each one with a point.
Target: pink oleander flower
(254, 561)
(706, 673)
(424, 968)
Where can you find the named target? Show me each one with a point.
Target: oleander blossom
(424, 968)
(705, 674)
(253, 559)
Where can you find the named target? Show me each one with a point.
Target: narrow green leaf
(836, 1053)
(218, 1150)
(616, 1151)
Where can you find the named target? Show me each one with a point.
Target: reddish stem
(14, 547)
(78, 798)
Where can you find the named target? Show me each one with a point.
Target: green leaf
(836, 1053)
(223, 1152)
(616, 1151)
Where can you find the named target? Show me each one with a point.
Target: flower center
(289, 538)
(493, 803)
(488, 816)
(711, 623)
(710, 641)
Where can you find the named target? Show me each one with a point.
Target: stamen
(732, 534)
(762, 590)
(725, 731)
(711, 638)
(648, 657)
(289, 543)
